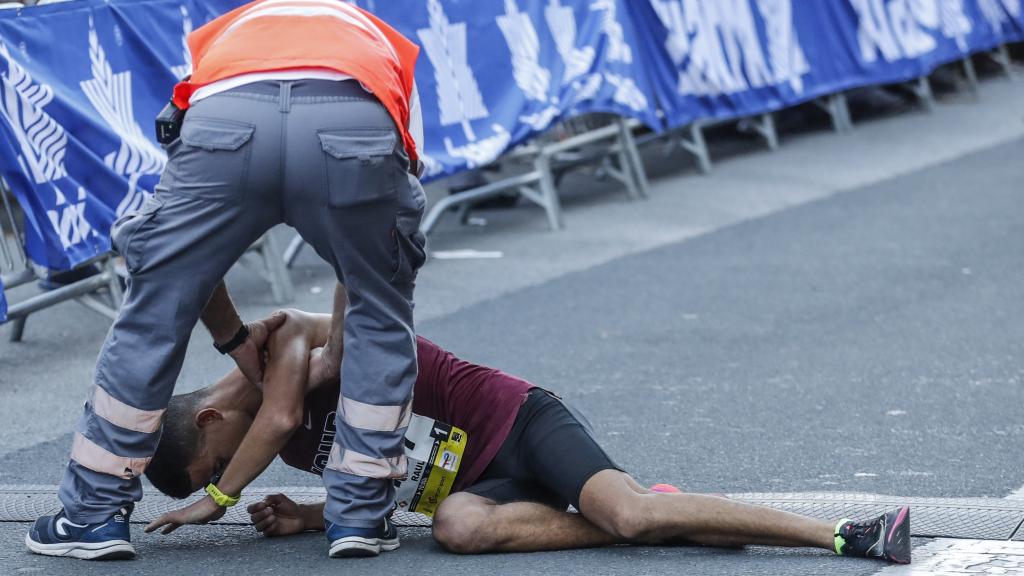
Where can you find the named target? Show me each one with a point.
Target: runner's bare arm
(279, 415)
(281, 411)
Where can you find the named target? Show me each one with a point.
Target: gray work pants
(325, 158)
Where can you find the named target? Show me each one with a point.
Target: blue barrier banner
(81, 85)
(492, 74)
(731, 58)
(3, 303)
(1005, 18)
(81, 82)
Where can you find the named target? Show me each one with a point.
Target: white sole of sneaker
(110, 550)
(356, 547)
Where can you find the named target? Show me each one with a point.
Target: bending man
(300, 112)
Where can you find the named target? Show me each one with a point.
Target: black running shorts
(547, 457)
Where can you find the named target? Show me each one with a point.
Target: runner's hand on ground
(276, 515)
(199, 512)
(249, 356)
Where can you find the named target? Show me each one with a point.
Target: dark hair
(179, 444)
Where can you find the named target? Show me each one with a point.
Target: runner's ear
(207, 415)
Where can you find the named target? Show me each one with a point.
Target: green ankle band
(840, 541)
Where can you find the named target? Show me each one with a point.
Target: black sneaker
(886, 537)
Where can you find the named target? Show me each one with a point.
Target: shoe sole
(356, 547)
(110, 550)
(897, 541)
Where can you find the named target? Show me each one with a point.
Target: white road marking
(963, 556)
(467, 254)
(951, 556)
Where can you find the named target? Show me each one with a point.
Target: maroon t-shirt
(480, 400)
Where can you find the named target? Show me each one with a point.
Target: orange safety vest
(275, 35)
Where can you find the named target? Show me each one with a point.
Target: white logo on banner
(718, 48)
(905, 28)
(111, 95)
(69, 219)
(458, 95)
(182, 70)
(588, 87)
(562, 23)
(42, 140)
(480, 152)
(788, 61)
(618, 49)
(431, 167)
(532, 78)
(43, 144)
(999, 12)
(521, 37)
(627, 92)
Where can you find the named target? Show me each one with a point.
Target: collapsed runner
(527, 457)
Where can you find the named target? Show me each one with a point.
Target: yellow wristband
(221, 498)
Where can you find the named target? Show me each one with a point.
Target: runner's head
(201, 432)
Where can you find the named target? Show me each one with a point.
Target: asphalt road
(866, 341)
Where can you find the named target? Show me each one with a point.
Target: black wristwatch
(236, 341)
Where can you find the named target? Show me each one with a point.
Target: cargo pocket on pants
(359, 166)
(410, 249)
(129, 232)
(211, 162)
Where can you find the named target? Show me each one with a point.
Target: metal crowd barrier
(595, 139)
(102, 292)
(690, 138)
(613, 148)
(604, 140)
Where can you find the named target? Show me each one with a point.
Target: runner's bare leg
(470, 524)
(610, 500)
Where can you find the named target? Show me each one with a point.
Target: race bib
(434, 451)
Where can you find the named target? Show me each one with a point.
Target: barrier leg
(923, 90)
(98, 306)
(549, 194)
(291, 253)
(18, 328)
(116, 295)
(18, 312)
(463, 213)
(836, 107)
(8, 260)
(622, 173)
(280, 282)
(699, 147)
(695, 145)
(1002, 56)
(843, 111)
(18, 237)
(970, 75)
(765, 127)
(490, 190)
(636, 162)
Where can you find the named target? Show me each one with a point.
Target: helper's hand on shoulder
(199, 512)
(277, 515)
(324, 367)
(250, 356)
